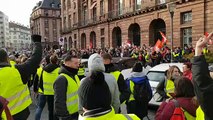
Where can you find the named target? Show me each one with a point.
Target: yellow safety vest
(12, 62)
(175, 54)
(72, 93)
(13, 89)
(147, 57)
(189, 116)
(205, 51)
(199, 114)
(116, 74)
(170, 87)
(48, 81)
(111, 116)
(81, 72)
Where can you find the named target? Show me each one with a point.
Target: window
(138, 4)
(46, 12)
(69, 21)
(84, 14)
(102, 31)
(102, 7)
(187, 36)
(68, 4)
(186, 17)
(94, 14)
(74, 17)
(46, 24)
(75, 36)
(120, 7)
(102, 43)
(54, 24)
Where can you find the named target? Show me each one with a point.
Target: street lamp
(171, 7)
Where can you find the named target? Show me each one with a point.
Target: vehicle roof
(165, 66)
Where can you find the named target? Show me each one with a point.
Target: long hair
(171, 70)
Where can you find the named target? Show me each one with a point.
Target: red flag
(158, 45)
(164, 39)
(91, 45)
(210, 41)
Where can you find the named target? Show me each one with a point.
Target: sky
(18, 10)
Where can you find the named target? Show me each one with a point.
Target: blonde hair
(171, 70)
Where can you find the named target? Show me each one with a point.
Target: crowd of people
(99, 95)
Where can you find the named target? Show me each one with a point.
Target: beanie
(95, 63)
(137, 67)
(94, 92)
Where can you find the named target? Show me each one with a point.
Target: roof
(165, 66)
(48, 4)
(15, 25)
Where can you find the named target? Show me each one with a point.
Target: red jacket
(188, 74)
(166, 109)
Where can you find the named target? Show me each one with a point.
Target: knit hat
(95, 63)
(94, 92)
(138, 67)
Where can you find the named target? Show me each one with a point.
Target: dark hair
(107, 56)
(4, 56)
(184, 87)
(47, 59)
(53, 59)
(188, 64)
(69, 57)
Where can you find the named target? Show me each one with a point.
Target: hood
(95, 63)
(139, 78)
(50, 67)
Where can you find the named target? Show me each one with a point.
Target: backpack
(142, 91)
(3, 107)
(178, 113)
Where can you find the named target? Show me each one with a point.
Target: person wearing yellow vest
(66, 89)
(141, 92)
(81, 71)
(172, 73)
(184, 95)
(46, 77)
(202, 79)
(95, 97)
(113, 69)
(13, 82)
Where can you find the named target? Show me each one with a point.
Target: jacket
(166, 109)
(203, 85)
(31, 65)
(60, 89)
(95, 63)
(39, 82)
(188, 74)
(123, 89)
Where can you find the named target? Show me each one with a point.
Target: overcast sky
(18, 10)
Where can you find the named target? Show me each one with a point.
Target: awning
(93, 5)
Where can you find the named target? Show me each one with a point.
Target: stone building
(111, 23)
(45, 20)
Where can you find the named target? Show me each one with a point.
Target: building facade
(45, 20)
(112, 23)
(4, 31)
(20, 37)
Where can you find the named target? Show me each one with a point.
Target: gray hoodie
(95, 63)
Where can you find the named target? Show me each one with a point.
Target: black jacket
(60, 88)
(38, 82)
(203, 85)
(123, 89)
(31, 65)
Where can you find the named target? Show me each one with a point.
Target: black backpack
(142, 91)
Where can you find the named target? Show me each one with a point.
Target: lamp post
(171, 7)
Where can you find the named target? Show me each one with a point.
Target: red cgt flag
(158, 45)
(164, 39)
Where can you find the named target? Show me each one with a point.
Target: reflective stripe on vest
(72, 93)
(81, 71)
(132, 90)
(13, 89)
(116, 74)
(169, 87)
(188, 115)
(199, 114)
(48, 80)
(111, 116)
